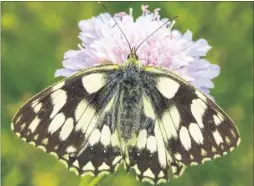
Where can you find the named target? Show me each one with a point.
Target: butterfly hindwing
(63, 120)
(194, 128)
(145, 152)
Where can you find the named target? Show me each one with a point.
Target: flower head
(103, 41)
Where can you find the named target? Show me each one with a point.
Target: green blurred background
(35, 36)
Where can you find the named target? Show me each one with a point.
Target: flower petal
(64, 72)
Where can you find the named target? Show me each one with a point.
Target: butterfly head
(132, 57)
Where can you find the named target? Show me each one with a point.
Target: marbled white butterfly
(146, 117)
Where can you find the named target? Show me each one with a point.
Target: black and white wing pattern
(70, 120)
(147, 117)
(146, 153)
(189, 128)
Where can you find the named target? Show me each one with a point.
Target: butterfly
(145, 117)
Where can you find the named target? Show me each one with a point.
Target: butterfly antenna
(104, 6)
(155, 31)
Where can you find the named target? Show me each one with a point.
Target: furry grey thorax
(130, 100)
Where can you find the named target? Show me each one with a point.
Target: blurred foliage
(36, 34)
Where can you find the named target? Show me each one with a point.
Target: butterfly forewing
(71, 120)
(194, 128)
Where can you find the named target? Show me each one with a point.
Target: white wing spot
(35, 102)
(93, 82)
(34, 124)
(205, 160)
(148, 173)
(104, 166)
(168, 125)
(56, 147)
(71, 149)
(18, 119)
(216, 156)
(203, 152)
(90, 127)
(238, 142)
(58, 86)
(80, 109)
(171, 121)
(167, 87)
(160, 145)
(151, 144)
(198, 108)
(56, 123)
(175, 116)
(196, 133)
(94, 137)
(217, 121)
(105, 135)
(115, 140)
(36, 136)
(227, 140)
(174, 168)
(42, 148)
(88, 166)
(135, 167)
(233, 133)
(12, 126)
(220, 116)
(163, 131)
(32, 143)
(193, 163)
(225, 153)
(37, 108)
(148, 109)
(66, 156)
(116, 160)
(231, 149)
(142, 137)
(201, 95)
(213, 149)
(110, 104)
(24, 139)
(66, 129)
(18, 134)
(45, 141)
(161, 174)
(76, 164)
(59, 98)
(217, 137)
(178, 156)
(23, 126)
(85, 119)
(185, 138)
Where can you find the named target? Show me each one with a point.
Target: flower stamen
(130, 12)
(145, 10)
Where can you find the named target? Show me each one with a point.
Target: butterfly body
(146, 117)
(129, 100)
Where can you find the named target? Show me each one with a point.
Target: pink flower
(102, 41)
